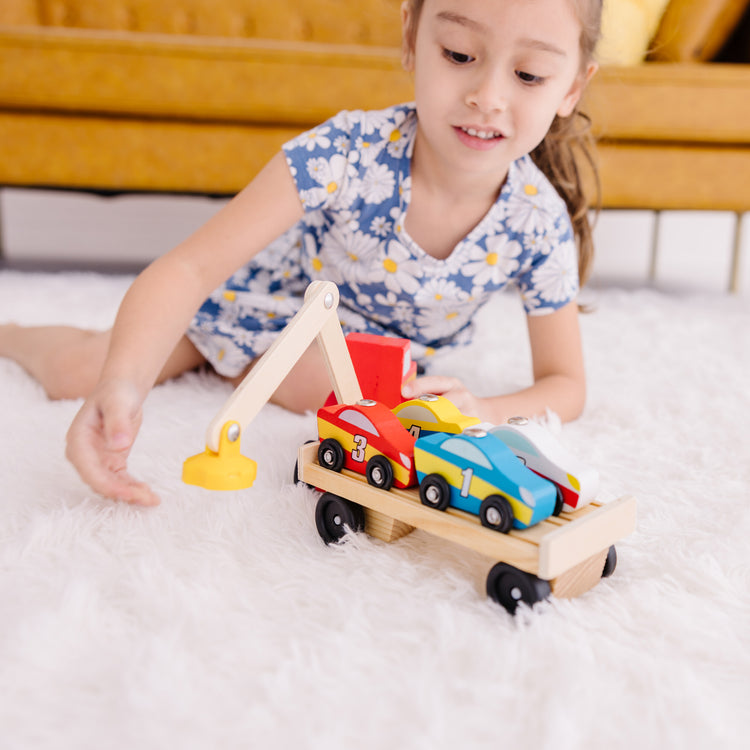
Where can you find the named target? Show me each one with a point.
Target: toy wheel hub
(494, 517)
(432, 494)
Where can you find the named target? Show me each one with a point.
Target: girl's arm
(154, 315)
(559, 378)
(163, 299)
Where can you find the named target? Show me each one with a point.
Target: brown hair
(568, 140)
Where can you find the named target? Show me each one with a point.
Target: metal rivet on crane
(328, 301)
(233, 433)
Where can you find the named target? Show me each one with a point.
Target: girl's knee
(307, 386)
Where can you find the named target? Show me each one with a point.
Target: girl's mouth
(478, 139)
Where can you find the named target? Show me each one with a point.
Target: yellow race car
(428, 414)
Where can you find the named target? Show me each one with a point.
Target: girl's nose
(488, 93)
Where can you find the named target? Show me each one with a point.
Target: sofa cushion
(19, 13)
(627, 29)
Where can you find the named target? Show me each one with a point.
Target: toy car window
(360, 421)
(417, 413)
(467, 451)
(514, 441)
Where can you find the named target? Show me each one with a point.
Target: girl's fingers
(442, 385)
(437, 384)
(98, 445)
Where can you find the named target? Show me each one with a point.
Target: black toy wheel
(379, 472)
(331, 454)
(334, 517)
(509, 586)
(495, 513)
(610, 563)
(559, 502)
(295, 476)
(435, 492)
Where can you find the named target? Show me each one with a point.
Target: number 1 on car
(467, 474)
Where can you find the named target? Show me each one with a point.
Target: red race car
(368, 438)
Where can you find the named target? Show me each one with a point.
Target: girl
(419, 213)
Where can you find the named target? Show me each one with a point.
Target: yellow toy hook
(221, 466)
(226, 469)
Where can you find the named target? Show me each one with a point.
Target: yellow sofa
(194, 96)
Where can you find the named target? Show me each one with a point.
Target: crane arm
(316, 319)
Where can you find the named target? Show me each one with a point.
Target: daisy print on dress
(532, 207)
(436, 292)
(331, 174)
(441, 323)
(401, 270)
(494, 265)
(315, 138)
(351, 256)
(378, 184)
(557, 278)
(399, 135)
(353, 176)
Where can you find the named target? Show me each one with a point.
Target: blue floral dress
(354, 181)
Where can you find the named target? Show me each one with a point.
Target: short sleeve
(321, 161)
(551, 282)
(539, 219)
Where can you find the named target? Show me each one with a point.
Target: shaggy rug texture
(221, 620)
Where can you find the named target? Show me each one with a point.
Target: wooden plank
(405, 506)
(579, 578)
(566, 541)
(384, 527)
(569, 545)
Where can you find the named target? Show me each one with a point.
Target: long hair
(568, 141)
(569, 145)
(559, 156)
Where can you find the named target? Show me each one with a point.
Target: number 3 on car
(366, 437)
(477, 473)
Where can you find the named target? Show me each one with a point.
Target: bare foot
(66, 361)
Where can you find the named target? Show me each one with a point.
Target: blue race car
(476, 472)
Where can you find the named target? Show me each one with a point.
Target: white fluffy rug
(222, 621)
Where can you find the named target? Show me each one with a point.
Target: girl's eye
(459, 58)
(529, 78)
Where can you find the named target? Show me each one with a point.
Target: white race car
(540, 450)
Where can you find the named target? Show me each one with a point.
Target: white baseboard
(49, 226)
(679, 251)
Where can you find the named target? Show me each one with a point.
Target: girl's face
(490, 76)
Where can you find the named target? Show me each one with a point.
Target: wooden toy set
(511, 492)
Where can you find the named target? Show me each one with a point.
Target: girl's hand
(452, 388)
(100, 438)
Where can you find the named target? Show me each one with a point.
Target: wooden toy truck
(564, 555)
